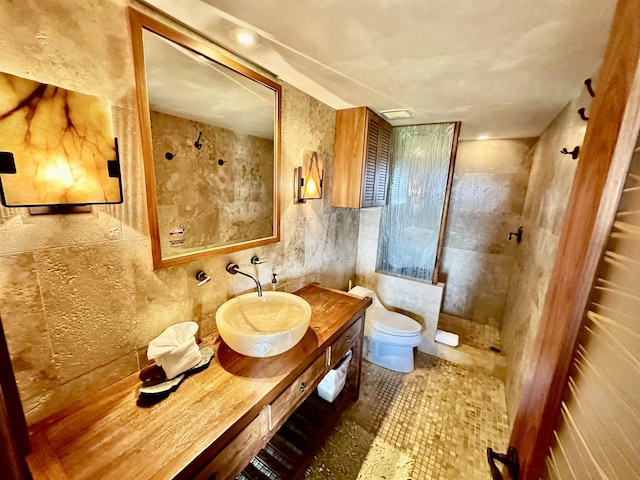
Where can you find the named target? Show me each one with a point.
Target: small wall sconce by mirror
(58, 148)
(308, 177)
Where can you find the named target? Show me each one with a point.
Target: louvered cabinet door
(361, 161)
(383, 165)
(370, 161)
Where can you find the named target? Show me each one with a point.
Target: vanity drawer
(345, 342)
(239, 452)
(300, 389)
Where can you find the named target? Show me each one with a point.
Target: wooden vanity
(218, 420)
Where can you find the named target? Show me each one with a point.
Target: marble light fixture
(56, 147)
(309, 177)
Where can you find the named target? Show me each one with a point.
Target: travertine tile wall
(78, 297)
(549, 187)
(487, 197)
(215, 204)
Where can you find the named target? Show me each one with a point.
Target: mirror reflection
(213, 143)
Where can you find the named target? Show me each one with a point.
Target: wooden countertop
(107, 436)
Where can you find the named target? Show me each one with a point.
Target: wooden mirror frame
(137, 22)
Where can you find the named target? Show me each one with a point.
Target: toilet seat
(392, 323)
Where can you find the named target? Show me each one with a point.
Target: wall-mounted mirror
(210, 134)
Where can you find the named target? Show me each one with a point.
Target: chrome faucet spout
(232, 268)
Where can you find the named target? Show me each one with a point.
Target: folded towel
(175, 349)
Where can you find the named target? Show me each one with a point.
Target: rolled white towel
(447, 338)
(361, 292)
(175, 349)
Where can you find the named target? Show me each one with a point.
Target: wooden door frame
(614, 121)
(14, 437)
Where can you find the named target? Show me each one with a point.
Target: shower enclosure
(413, 221)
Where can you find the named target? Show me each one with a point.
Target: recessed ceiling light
(244, 36)
(397, 113)
(483, 137)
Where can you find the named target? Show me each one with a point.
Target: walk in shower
(412, 221)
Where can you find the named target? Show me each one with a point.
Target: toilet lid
(392, 322)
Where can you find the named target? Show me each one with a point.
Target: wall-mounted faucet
(232, 268)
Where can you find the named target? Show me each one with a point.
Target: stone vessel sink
(263, 326)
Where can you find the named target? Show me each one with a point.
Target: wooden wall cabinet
(361, 162)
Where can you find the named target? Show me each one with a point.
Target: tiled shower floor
(471, 333)
(432, 424)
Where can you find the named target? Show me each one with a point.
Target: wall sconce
(308, 177)
(56, 147)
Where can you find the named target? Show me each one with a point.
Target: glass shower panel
(410, 223)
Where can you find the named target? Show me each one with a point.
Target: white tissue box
(333, 382)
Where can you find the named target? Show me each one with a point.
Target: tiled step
(479, 346)
(487, 361)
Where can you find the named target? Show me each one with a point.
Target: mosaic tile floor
(442, 415)
(471, 333)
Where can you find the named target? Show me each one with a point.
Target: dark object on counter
(156, 387)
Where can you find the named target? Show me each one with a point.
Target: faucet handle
(202, 278)
(256, 261)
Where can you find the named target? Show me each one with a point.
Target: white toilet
(389, 337)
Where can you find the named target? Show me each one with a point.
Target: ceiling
(504, 68)
(187, 85)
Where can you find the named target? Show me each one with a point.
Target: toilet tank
(365, 292)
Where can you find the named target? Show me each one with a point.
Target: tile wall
(215, 204)
(78, 297)
(487, 197)
(546, 200)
